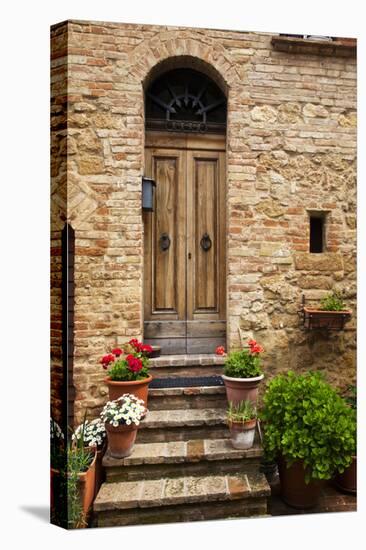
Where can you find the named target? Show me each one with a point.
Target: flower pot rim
(244, 424)
(253, 379)
(111, 382)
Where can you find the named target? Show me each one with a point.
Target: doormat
(186, 382)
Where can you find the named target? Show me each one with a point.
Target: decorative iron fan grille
(184, 100)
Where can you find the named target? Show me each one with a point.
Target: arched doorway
(184, 236)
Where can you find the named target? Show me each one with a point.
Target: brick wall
(291, 147)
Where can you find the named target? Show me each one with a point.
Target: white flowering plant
(58, 445)
(125, 410)
(91, 434)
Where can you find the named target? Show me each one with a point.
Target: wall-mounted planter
(320, 319)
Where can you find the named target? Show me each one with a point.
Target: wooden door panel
(165, 237)
(206, 226)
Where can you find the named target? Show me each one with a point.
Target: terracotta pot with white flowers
(128, 370)
(122, 418)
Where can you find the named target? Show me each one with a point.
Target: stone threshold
(174, 452)
(187, 360)
(125, 495)
(181, 418)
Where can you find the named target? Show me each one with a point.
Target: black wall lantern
(148, 185)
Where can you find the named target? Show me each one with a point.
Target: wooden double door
(184, 244)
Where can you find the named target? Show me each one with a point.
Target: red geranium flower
(106, 359)
(134, 363)
(117, 351)
(254, 347)
(220, 350)
(136, 344)
(146, 348)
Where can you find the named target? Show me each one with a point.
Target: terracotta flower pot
(294, 491)
(99, 470)
(242, 433)
(121, 439)
(319, 318)
(242, 389)
(139, 388)
(348, 480)
(87, 485)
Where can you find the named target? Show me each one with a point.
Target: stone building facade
(290, 152)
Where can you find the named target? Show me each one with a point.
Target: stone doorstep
(188, 360)
(174, 452)
(184, 490)
(196, 390)
(182, 418)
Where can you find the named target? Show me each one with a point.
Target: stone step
(186, 498)
(187, 398)
(182, 425)
(180, 458)
(205, 364)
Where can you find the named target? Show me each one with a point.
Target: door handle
(206, 242)
(164, 242)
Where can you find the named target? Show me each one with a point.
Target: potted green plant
(80, 483)
(128, 370)
(309, 431)
(347, 481)
(122, 418)
(242, 420)
(95, 438)
(331, 314)
(243, 373)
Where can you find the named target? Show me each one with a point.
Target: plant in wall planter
(95, 438)
(331, 314)
(128, 370)
(242, 421)
(310, 431)
(243, 374)
(347, 481)
(122, 418)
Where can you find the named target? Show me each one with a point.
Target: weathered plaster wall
(291, 147)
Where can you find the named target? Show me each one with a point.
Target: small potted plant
(122, 418)
(331, 314)
(309, 431)
(242, 421)
(243, 373)
(128, 370)
(347, 481)
(95, 438)
(80, 482)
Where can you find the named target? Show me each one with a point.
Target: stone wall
(291, 148)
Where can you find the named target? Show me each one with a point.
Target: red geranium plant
(127, 363)
(244, 363)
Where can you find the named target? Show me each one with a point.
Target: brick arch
(171, 46)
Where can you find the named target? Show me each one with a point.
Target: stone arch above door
(167, 46)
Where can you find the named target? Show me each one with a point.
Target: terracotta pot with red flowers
(128, 370)
(243, 374)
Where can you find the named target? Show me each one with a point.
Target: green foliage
(120, 372)
(242, 412)
(332, 302)
(242, 364)
(305, 419)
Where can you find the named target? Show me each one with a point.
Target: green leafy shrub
(305, 419)
(242, 412)
(332, 302)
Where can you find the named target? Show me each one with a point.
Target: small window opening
(317, 233)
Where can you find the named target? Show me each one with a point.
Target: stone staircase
(183, 466)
